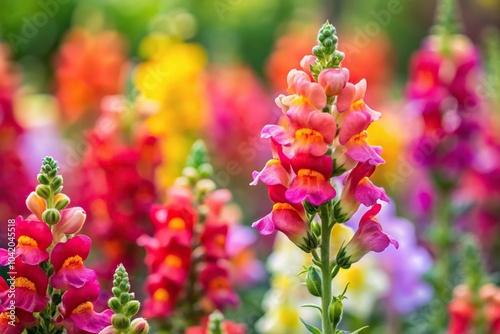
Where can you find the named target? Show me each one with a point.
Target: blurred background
(118, 90)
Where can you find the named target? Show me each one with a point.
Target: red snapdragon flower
(163, 294)
(215, 281)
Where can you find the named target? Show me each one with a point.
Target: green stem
(444, 269)
(326, 295)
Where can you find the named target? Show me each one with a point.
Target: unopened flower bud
(43, 191)
(61, 201)
(205, 186)
(313, 281)
(114, 304)
(139, 326)
(131, 308)
(316, 228)
(36, 204)
(72, 221)
(335, 311)
(119, 321)
(56, 182)
(110, 330)
(51, 216)
(42, 178)
(333, 80)
(206, 170)
(124, 298)
(191, 173)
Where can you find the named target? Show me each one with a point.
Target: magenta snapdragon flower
(78, 312)
(67, 258)
(33, 239)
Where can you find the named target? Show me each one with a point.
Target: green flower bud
(124, 298)
(56, 182)
(115, 305)
(139, 326)
(206, 170)
(43, 191)
(119, 321)
(313, 281)
(316, 228)
(61, 201)
(51, 216)
(131, 308)
(42, 178)
(335, 311)
(116, 291)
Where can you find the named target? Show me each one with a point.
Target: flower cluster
(187, 257)
(118, 171)
(171, 80)
(125, 307)
(322, 134)
(216, 324)
(52, 287)
(442, 90)
(466, 309)
(89, 67)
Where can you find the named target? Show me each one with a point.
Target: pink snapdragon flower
(30, 284)
(71, 222)
(78, 312)
(368, 238)
(67, 258)
(358, 189)
(33, 239)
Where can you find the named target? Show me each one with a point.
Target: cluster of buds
(125, 307)
(189, 271)
(50, 289)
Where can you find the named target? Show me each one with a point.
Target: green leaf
(313, 306)
(310, 327)
(359, 330)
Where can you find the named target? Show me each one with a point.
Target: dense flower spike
(192, 256)
(125, 307)
(53, 291)
(323, 133)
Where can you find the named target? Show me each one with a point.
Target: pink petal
(278, 133)
(264, 225)
(354, 124)
(346, 97)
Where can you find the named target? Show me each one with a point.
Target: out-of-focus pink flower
(67, 258)
(215, 281)
(33, 238)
